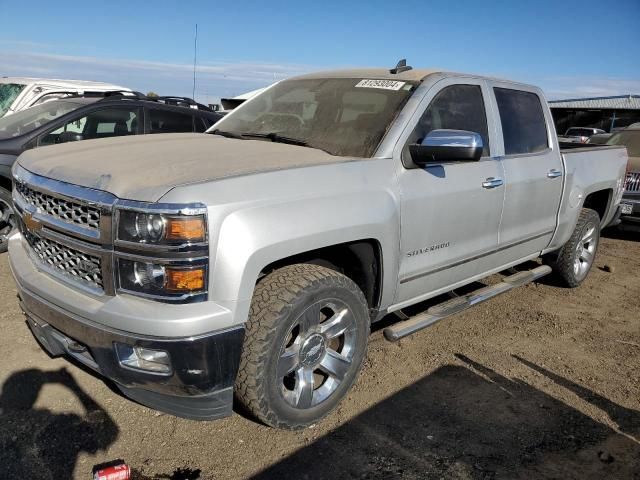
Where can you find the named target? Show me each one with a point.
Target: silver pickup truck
(252, 260)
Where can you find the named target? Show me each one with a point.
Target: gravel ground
(541, 382)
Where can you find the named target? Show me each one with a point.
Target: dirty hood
(146, 167)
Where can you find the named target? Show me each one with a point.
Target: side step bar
(457, 304)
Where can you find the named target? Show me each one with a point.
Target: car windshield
(629, 139)
(28, 120)
(342, 116)
(8, 93)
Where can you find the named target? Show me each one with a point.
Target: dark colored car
(89, 118)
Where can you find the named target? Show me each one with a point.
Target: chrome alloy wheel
(585, 251)
(317, 354)
(7, 222)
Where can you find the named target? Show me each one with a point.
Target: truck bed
(590, 169)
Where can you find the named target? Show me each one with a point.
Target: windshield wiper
(277, 138)
(223, 133)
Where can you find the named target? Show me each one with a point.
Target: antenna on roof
(401, 67)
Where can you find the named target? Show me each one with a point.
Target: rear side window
(523, 126)
(165, 121)
(457, 107)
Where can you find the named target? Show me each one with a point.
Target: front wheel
(7, 219)
(576, 257)
(305, 342)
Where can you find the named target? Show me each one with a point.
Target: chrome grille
(72, 263)
(71, 212)
(632, 182)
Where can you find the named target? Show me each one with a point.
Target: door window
(523, 125)
(457, 107)
(168, 121)
(104, 123)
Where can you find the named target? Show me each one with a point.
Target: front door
(450, 211)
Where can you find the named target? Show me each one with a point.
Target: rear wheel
(576, 257)
(7, 219)
(306, 340)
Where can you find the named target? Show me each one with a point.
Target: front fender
(252, 238)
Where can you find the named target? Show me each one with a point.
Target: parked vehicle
(579, 134)
(630, 206)
(258, 256)
(599, 139)
(86, 118)
(228, 104)
(18, 93)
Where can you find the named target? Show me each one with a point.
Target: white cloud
(214, 79)
(578, 87)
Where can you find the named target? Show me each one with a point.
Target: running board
(458, 304)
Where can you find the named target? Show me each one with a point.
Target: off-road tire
(564, 263)
(278, 302)
(5, 200)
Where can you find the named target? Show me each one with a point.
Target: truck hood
(146, 167)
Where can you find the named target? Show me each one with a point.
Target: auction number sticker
(384, 84)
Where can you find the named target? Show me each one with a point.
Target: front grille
(65, 210)
(68, 261)
(632, 182)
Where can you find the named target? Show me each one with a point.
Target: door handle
(492, 182)
(553, 173)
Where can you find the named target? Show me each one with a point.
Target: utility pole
(195, 58)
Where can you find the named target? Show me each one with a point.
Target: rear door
(533, 170)
(450, 218)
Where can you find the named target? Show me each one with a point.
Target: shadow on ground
(466, 421)
(39, 444)
(623, 232)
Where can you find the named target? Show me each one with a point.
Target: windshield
(343, 116)
(629, 139)
(8, 93)
(28, 120)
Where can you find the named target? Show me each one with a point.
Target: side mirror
(70, 137)
(447, 146)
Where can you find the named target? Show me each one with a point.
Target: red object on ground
(114, 472)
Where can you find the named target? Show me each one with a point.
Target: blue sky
(570, 49)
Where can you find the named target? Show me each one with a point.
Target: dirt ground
(541, 382)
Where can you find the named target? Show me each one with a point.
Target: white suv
(18, 93)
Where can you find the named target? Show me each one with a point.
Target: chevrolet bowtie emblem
(31, 223)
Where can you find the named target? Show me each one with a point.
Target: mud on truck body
(252, 261)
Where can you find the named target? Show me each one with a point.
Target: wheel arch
(600, 201)
(360, 260)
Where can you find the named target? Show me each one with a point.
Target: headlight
(161, 228)
(162, 251)
(162, 280)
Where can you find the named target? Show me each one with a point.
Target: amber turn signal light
(185, 280)
(187, 229)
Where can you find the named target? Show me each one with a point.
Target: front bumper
(204, 366)
(200, 386)
(634, 216)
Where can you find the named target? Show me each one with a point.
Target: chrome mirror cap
(441, 146)
(452, 138)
